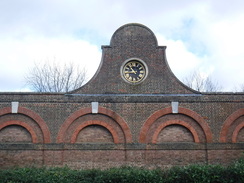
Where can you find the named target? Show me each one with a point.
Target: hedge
(187, 174)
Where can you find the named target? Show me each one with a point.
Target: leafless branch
(54, 77)
(199, 83)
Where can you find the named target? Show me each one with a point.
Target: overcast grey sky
(204, 35)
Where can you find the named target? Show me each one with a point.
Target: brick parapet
(133, 146)
(121, 98)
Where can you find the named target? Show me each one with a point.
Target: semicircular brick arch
(95, 122)
(34, 116)
(101, 110)
(175, 122)
(166, 111)
(228, 123)
(24, 125)
(236, 132)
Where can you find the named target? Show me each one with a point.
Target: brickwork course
(109, 122)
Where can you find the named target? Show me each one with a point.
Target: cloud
(180, 59)
(213, 34)
(205, 35)
(20, 56)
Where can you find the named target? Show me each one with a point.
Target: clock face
(134, 71)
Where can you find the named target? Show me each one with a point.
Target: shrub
(190, 174)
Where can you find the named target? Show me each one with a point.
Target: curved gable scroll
(134, 41)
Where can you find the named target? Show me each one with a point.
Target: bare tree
(194, 81)
(242, 88)
(239, 88)
(199, 83)
(53, 77)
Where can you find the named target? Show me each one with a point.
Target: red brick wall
(14, 134)
(97, 140)
(135, 124)
(175, 133)
(94, 134)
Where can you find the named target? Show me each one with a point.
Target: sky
(201, 35)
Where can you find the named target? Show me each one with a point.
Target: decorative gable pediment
(133, 63)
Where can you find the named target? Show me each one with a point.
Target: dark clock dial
(134, 71)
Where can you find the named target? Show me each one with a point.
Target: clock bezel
(131, 60)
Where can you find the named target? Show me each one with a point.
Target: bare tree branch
(239, 88)
(242, 88)
(211, 85)
(199, 83)
(53, 77)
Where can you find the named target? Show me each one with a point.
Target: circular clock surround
(134, 71)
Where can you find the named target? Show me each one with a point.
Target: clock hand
(132, 70)
(128, 72)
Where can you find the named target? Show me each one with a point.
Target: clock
(134, 71)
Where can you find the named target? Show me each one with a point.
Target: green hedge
(193, 173)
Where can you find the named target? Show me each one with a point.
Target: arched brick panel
(95, 122)
(203, 124)
(35, 117)
(175, 122)
(25, 125)
(228, 122)
(101, 110)
(236, 132)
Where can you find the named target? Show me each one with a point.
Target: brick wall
(15, 134)
(141, 134)
(133, 124)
